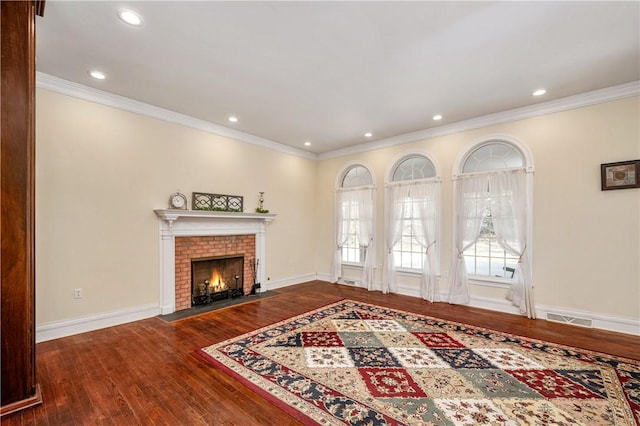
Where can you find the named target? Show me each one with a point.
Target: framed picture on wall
(620, 175)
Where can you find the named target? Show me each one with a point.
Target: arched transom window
(356, 176)
(412, 168)
(493, 156)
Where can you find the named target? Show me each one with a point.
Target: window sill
(409, 272)
(490, 281)
(353, 264)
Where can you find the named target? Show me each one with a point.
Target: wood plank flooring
(147, 372)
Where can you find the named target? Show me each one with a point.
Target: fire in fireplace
(216, 278)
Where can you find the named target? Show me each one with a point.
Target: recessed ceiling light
(368, 135)
(437, 117)
(98, 75)
(233, 119)
(130, 17)
(539, 92)
(307, 143)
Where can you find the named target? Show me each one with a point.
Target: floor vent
(583, 322)
(349, 282)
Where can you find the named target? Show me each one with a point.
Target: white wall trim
(570, 102)
(493, 304)
(83, 324)
(323, 277)
(57, 329)
(69, 88)
(602, 322)
(286, 282)
(80, 91)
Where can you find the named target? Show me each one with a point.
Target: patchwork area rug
(361, 364)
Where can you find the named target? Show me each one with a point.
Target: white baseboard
(285, 282)
(406, 290)
(58, 329)
(324, 277)
(493, 304)
(55, 330)
(599, 321)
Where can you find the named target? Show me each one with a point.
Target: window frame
(527, 157)
(490, 278)
(416, 272)
(339, 186)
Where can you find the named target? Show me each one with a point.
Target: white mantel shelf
(171, 215)
(186, 223)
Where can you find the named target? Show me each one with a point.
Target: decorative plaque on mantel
(217, 202)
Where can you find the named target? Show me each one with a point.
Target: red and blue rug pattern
(353, 363)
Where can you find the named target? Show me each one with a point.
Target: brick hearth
(187, 248)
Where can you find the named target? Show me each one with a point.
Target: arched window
(487, 257)
(355, 225)
(412, 223)
(356, 176)
(414, 167)
(492, 231)
(495, 155)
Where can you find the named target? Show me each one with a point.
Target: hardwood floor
(147, 372)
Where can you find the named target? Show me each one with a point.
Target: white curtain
(344, 223)
(354, 214)
(395, 196)
(425, 212)
(416, 202)
(365, 234)
(470, 197)
(508, 193)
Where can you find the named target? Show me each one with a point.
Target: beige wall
(101, 171)
(586, 241)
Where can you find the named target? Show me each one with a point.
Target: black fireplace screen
(216, 278)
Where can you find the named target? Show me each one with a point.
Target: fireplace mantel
(171, 215)
(184, 223)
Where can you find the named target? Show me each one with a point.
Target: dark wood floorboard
(147, 372)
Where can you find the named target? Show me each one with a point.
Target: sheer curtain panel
(508, 195)
(425, 196)
(413, 205)
(344, 223)
(471, 192)
(365, 233)
(354, 215)
(395, 196)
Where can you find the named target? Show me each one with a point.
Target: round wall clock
(178, 201)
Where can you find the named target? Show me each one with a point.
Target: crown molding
(66, 87)
(80, 91)
(563, 104)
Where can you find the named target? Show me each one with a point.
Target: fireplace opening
(216, 278)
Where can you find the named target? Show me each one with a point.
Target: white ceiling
(328, 72)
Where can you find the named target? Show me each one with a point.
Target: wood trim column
(17, 205)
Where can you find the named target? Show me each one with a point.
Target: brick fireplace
(192, 234)
(188, 249)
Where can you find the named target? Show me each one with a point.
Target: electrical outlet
(445, 274)
(77, 293)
